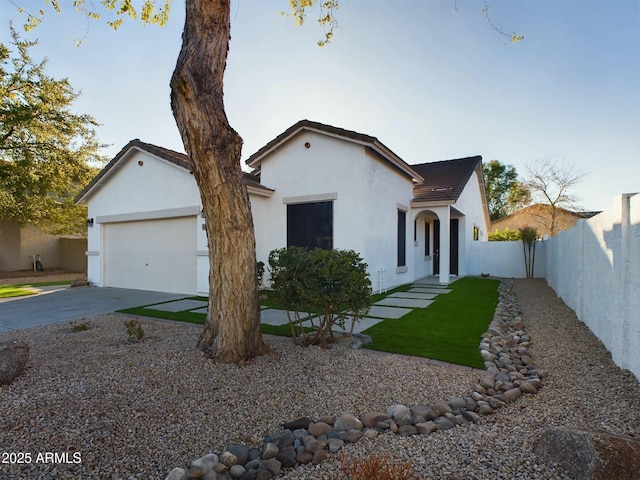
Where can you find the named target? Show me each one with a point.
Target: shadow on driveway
(73, 303)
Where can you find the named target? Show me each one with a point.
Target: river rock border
(510, 373)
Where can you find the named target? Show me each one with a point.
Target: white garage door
(151, 255)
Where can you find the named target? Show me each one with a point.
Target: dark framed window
(415, 231)
(427, 239)
(476, 233)
(402, 238)
(310, 225)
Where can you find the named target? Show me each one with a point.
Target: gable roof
(179, 159)
(445, 180)
(372, 143)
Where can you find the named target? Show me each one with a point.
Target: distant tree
(505, 193)
(46, 151)
(506, 235)
(550, 183)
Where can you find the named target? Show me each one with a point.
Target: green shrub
(135, 332)
(80, 326)
(505, 236)
(327, 285)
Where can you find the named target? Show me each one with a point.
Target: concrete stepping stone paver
(435, 291)
(415, 295)
(361, 325)
(404, 302)
(178, 306)
(383, 311)
(201, 310)
(271, 316)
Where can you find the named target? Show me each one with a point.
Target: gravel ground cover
(123, 410)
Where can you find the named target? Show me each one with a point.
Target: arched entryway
(436, 248)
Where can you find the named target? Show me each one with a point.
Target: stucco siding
(142, 187)
(366, 192)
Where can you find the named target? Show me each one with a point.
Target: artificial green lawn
(449, 329)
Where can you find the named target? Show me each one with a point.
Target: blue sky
(431, 84)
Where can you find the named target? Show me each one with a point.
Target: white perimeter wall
(595, 269)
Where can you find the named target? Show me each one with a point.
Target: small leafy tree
(529, 236)
(329, 285)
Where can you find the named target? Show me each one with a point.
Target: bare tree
(550, 183)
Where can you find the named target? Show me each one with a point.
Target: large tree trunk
(232, 330)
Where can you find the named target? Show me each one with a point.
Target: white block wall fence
(594, 267)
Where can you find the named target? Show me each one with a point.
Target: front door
(453, 247)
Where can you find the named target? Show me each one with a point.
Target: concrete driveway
(72, 303)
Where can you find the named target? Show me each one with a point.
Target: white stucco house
(313, 185)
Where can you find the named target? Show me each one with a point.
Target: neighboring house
(18, 244)
(314, 185)
(540, 217)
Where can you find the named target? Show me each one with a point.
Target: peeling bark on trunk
(232, 329)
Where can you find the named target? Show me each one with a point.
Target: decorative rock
(512, 395)
(352, 436)
(370, 433)
(591, 455)
(495, 403)
(347, 422)
(398, 411)
(271, 465)
(237, 471)
(241, 452)
(457, 403)
(441, 408)
(281, 439)
(328, 419)
(287, 457)
(303, 457)
(426, 428)
(487, 382)
(360, 340)
(228, 459)
(220, 468)
(13, 358)
(269, 450)
(264, 475)
(486, 410)
(527, 387)
(303, 422)
(336, 444)
(407, 430)
(319, 456)
(420, 410)
(470, 416)
(370, 420)
(195, 473)
(177, 474)
(207, 462)
(312, 445)
(319, 428)
(443, 423)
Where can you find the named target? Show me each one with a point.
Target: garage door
(151, 255)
